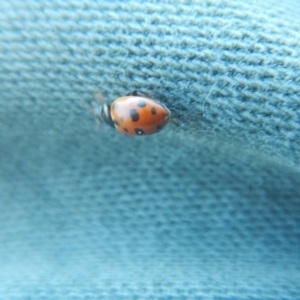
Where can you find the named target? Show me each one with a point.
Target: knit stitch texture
(209, 208)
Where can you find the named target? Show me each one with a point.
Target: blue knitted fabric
(209, 208)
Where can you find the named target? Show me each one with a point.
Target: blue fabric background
(207, 209)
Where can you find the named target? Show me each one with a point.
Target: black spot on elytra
(159, 127)
(142, 103)
(134, 115)
(125, 129)
(139, 131)
(153, 111)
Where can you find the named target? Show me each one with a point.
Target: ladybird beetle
(134, 114)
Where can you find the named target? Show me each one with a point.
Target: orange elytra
(135, 114)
